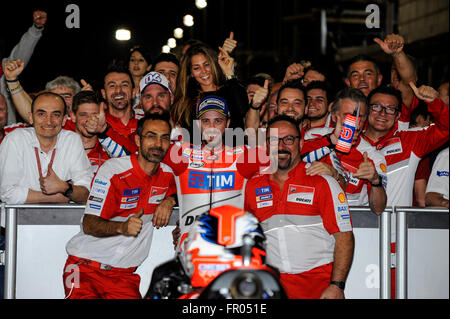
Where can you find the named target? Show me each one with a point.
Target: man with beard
(305, 218)
(128, 195)
(86, 104)
(291, 100)
(156, 97)
(363, 167)
(319, 98)
(210, 174)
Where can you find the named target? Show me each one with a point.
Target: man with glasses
(404, 149)
(363, 167)
(125, 202)
(305, 218)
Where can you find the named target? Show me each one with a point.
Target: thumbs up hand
(230, 43)
(86, 86)
(425, 93)
(52, 184)
(133, 225)
(366, 170)
(261, 95)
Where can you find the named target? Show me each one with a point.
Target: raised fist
(13, 69)
(39, 18)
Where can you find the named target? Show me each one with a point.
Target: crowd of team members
(154, 137)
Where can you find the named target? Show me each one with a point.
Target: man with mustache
(125, 202)
(156, 97)
(305, 218)
(363, 167)
(211, 173)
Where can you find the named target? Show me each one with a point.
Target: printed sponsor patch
(341, 197)
(131, 191)
(196, 164)
(100, 182)
(342, 212)
(95, 206)
(95, 199)
(187, 152)
(442, 173)
(392, 146)
(129, 199)
(157, 194)
(216, 181)
(128, 206)
(264, 204)
(98, 190)
(300, 194)
(263, 197)
(263, 190)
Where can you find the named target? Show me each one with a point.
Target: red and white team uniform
(205, 180)
(357, 190)
(118, 126)
(404, 149)
(9, 128)
(119, 190)
(97, 156)
(298, 222)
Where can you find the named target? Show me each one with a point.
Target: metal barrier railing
(384, 227)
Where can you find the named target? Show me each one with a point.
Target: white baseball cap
(154, 78)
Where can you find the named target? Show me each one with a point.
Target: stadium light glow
(123, 34)
(188, 20)
(201, 4)
(178, 33)
(172, 43)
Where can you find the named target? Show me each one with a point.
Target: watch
(340, 284)
(69, 191)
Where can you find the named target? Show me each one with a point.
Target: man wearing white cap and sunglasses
(156, 97)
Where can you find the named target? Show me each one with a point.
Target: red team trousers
(84, 279)
(309, 284)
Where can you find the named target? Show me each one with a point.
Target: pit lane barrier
(35, 236)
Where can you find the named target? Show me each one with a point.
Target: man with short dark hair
(87, 104)
(404, 149)
(128, 197)
(43, 163)
(119, 92)
(363, 167)
(168, 65)
(319, 99)
(305, 218)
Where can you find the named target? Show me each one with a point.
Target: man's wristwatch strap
(340, 284)
(69, 191)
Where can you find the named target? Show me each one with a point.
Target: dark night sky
(260, 27)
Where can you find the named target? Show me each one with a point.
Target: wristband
(69, 191)
(15, 93)
(17, 88)
(10, 81)
(255, 108)
(229, 77)
(380, 184)
(340, 284)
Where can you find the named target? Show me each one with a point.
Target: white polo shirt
(19, 167)
(438, 181)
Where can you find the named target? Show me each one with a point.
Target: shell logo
(383, 167)
(341, 197)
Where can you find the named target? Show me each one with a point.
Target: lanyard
(36, 151)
